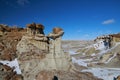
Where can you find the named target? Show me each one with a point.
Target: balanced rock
(37, 55)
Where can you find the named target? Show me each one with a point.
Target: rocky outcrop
(33, 29)
(40, 57)
(34, 55)
(8, 45)
(7, 73)
(64, 75)
(117, 78)
(5, 29)
(8, 42)
(1, 47)
(115, 37)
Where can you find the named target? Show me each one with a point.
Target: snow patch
(108, 50)
(80, 62)
(99, 45)
(104, 73)
(102, 53)
(93, 54)
(72, 52)
(83, 54)
(12, 64)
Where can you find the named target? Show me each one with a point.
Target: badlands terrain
(28, 54)
(102, 63)
(25, 55)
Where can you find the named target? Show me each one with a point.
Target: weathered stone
(64, 75)
(39, 29)
(26, 44)
(33, 29)
(56, 59)
(7, 73)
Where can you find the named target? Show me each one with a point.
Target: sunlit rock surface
(37, 55)
(31, 55)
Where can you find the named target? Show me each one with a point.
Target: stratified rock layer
(34, 57)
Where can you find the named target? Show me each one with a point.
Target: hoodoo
(37, 52)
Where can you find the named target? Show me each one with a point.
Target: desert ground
(88, 58)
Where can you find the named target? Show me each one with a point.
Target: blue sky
(80, 19)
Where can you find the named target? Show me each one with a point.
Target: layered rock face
(4, 29)
(8, 41)
(38, 53)
(40, 57)
(52, 64)
(8, 44)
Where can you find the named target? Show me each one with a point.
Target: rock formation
(4, 29)
(34, 55)
(7, 73)
(8, 41)
(33, 29)
(103, 42)
(64, 75)
(40, 57)
(108, 40)
(39, 29)
(118, 77)
(56, 51)
(115, 38)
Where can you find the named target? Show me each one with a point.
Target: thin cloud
(23, 2)
(110, 21)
